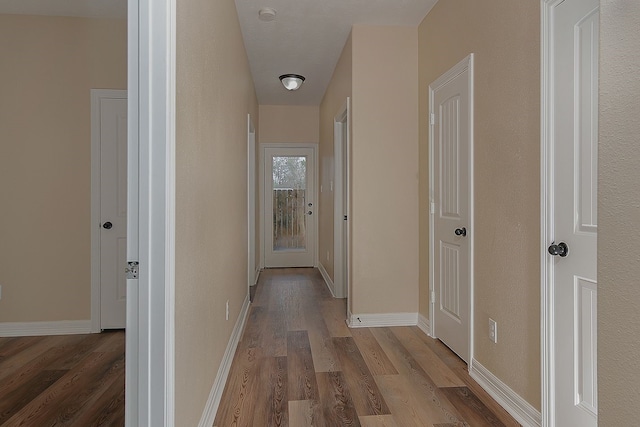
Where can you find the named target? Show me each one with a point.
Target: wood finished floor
(66, 380)
(298, 364)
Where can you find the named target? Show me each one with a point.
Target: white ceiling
(85, 8)
(307, 38)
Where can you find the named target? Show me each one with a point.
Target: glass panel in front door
(289, 207)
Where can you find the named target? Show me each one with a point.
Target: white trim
(30, 329)
(215, 395)
(547, 323)
(460, 67)
(382, 319)
(150, 356)
(341, 274)
(96, 96)
(511, 401)
(257, 276)
(327, 279)
(424, 324)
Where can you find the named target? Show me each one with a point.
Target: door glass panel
(289, 213)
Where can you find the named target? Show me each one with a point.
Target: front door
(451, 207)
(289, 207)
(574, 174)
(113, 209)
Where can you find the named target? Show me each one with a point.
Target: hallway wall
(334, 98)
(505, 37)
(48, 66)
(289, 123)
(384, 170)
(211, 194)
(618, 212)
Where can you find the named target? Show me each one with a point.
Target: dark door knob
(310, 213)
(107, 225)
(461, 231)
(310, 204)
(561, 249)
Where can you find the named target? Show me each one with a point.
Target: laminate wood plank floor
(66, 380)
(299, 365)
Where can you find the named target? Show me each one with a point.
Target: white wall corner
(423, 324)
(326, 278)
(382, 320)
(515, 405)
(31, 329)
(215, 395)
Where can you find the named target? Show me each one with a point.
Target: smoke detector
(267, 14)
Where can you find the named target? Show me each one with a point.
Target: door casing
(466, 63)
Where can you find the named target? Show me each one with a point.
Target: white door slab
(451, 121)
(574, 172)
(111, 132)
(290, 207)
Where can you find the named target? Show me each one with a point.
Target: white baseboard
(211, 408)
(423, 324)
(382, 319)
(326, 278)
(515, 405)
(30, 329)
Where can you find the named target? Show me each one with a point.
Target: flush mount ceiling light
(292, 81)
(267, 14)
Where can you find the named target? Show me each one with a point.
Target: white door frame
(150, 355)
(96, 96)
(252, 270)
(262, 187)
(341, 275)
(466, 63)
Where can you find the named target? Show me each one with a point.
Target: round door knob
(107, 225)
(310, 204)
(461, 231)
(561, 249)
(310, 213)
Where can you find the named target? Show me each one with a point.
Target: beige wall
(505, 37)
(48, 66)
(211, 196)
(384, 170)
(334, 98)
(619, 213)
(289, 124)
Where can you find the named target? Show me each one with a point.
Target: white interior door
(341, 203)
(251, 202)
(451, 208)
(574, 171)
(289, 201)
(113, 209)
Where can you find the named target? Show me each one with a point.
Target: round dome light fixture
(267, 14)
(292, 81)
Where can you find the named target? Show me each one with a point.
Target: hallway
(298, 364)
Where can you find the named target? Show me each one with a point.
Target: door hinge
(433, 297)
(132, 269)
(432, 207)
(432, 119)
